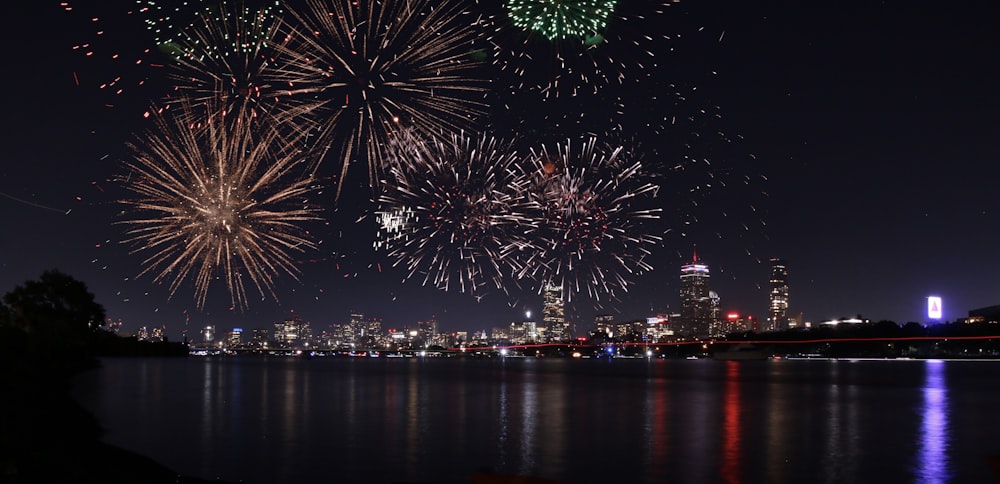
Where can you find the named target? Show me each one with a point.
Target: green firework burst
(560, 19)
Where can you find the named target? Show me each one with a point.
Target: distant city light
(934, 309)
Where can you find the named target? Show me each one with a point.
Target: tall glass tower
(554, 313)
(696, 301)
(778, 309)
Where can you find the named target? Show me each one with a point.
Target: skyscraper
(778, 309)
(208, 334)
(554, 313)
(605, 323)
(696, 302)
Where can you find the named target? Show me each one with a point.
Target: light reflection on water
(933, 455)
(413, 420)
(731, 452)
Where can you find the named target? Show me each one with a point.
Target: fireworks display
(382, 65)
(590, 234)
(460, 111)
(225, 58)
(555, 19)
(451, 212)
(217, 200)
(572, 47)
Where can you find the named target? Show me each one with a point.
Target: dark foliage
(59, 316)
(49, 331)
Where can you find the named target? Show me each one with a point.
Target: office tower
(292, 333)
(260, 337)
(605, 323)
(716, 326)
(554, 313)
(696, 302)
(355, 330)
(208, 334)
(778, 309)
(516, 333)
(235, 338)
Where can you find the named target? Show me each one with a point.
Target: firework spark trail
(222, 198)
(381, 65)
(36, 205)
(453, 210)
(223, 55)
(568, 48)
(589, 236)
(112, 42)
(226, 58)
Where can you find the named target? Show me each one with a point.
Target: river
(417, 420)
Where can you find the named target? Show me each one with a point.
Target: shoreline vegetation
(46, 436)
(50, 331)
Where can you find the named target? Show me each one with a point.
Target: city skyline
(872, 125)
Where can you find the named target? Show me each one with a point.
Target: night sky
(868, 131)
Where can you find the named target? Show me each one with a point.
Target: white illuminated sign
(934, 307)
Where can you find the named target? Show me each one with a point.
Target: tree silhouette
(58, 314)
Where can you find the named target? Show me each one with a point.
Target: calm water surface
(262, 420)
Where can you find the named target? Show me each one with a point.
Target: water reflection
(779, 414)
(932, 460)
(338, 420)
(208, 387)
(731, 452)
(840, 458)
(528, 413)
(502, 424)
(655, 411)
(417, 419)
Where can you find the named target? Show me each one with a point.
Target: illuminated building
(355, 330)
(292, 333)
(428, 329)
(715, 323)
(989, 314)
(531, 331)
(235, 339)
(371, 332)
(630, 331)
(658, 328)
(208, 334)
(605, 323)
(500, 334)
(260, 337)
(778, 309)
(516, 333)
(835, 322)
(736, 323)
(113, 325)
(696, 301)
(553, 313)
